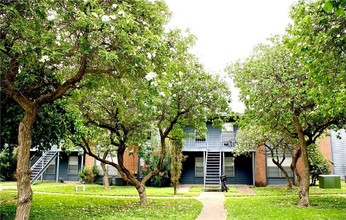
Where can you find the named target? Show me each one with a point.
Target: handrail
(45, 166)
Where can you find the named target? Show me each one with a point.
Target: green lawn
(95, 189)
(282, 190)
(63, 206)
(276, 202)
(285, 207)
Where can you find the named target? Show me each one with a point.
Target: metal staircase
(212, 171)
(42, 164)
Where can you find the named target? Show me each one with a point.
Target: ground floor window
(51, 168)
(112, 171)
(72, 165)
(199, 167)
(274, 171)
(229, 167)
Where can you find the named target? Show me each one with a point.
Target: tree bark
(295, 158)
(105, 176)
(304, 183)
(142, 194)
(23, 169)
(105, 171)
(288, 179)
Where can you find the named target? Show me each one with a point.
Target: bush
(89, 175)
(8, 163)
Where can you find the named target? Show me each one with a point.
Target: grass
(55, 201)
(285, 207)
(95, 189)
(282, 190)
(63, 206)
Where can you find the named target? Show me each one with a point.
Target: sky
(227, 30)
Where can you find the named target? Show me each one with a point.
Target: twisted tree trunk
(23, 169)
(304, 183)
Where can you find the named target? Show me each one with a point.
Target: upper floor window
(228, 127)
(228, 134)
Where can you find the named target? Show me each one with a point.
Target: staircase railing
(44, 161)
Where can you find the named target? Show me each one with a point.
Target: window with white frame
(51, 168)
(274, 171)
(227, 133)
(199, 167)
(229, 167)
(112, 171)
(72, 165)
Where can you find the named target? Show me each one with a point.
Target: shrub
(89, 175)
(8, 163)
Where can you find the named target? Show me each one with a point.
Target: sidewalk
(213, 206)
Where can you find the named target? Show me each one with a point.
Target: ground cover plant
(67, 206)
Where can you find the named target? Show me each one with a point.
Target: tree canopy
(296, 83)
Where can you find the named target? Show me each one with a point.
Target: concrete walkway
(213, 206)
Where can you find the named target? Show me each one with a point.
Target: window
(229, 166)
(51, 168)
(228, 135)
(228, 127)
(72, 165)
(274, 171)
(112, 171)
(199, 167)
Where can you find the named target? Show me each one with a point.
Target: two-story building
(210, 156)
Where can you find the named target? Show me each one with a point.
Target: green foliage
(51, 127)
(176, 156)
(89, 175)
(162, 179)
(8, 162)
(99, 207)
(318, 164)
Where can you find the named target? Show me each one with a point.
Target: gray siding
(188, 173)
(213, 140)
(339, 152)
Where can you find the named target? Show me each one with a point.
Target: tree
(47, 47)
(114, 118)
(279, 93)
(278, 144)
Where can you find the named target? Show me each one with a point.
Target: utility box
(329, 181)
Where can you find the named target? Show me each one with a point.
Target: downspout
(253, 169)
(58, 168)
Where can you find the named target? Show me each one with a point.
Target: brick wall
(260, 167)
(324, 145)
(131, 160)
(89, 161)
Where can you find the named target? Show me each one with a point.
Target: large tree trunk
(142, 194)
(23, 169)
(304, 183)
